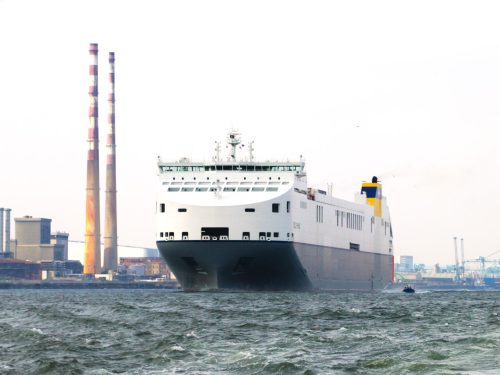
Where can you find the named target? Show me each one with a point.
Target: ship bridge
(183, 166)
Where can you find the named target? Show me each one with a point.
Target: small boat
(408, 289)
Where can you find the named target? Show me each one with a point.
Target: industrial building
(61, 238)
(5, 243)
(19, 269)
(61, 268)
(406, 263)
(145, 266)
(35, 243)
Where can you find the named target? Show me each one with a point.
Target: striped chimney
(110, 218)
(92, 257)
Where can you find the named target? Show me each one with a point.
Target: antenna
(463, 257)
(217, 151)
(250, 150)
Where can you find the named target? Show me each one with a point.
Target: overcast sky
(405, 90)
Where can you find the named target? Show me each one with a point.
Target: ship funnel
(373, 191)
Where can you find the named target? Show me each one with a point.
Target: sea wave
(153, 332)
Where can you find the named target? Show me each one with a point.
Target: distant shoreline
(27, 284)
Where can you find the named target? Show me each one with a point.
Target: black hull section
(273, 265)
(235, 265)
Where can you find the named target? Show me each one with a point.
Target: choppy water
(159, 332)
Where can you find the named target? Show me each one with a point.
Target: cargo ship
(245, 225)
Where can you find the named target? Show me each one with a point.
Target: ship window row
(349, 220)
(275, 207)
(227, 183)
(237, 168)
(218, 180)
(215, 188)
(163, 208)
(224, 235)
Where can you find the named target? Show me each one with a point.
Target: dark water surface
(160, 332)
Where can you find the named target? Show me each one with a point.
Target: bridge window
(249, 209)
(182, 210)
(276, 207)
(162, 207)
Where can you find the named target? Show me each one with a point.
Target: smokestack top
(93, 48)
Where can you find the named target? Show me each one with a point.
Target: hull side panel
(341, 269)
(273, 265)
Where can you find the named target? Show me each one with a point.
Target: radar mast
(233, 140)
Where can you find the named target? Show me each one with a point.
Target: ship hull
(273, 266)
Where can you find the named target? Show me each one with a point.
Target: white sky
(405, 90)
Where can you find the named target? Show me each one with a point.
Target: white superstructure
(239, 200)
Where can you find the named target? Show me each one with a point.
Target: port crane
(483, 260)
